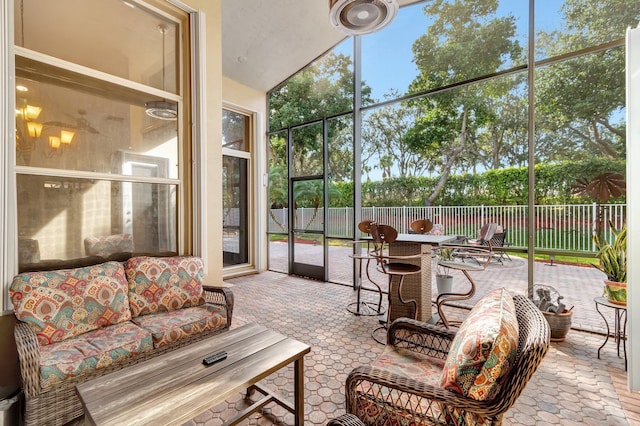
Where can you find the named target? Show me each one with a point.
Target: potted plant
(548, 300)
(613, 262)
(444, 281)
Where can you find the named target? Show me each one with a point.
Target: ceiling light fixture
(163, 110)
(359, 17)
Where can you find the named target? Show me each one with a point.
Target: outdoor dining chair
(363, 254)
(482, 257)
(421, 226)
(396, 267)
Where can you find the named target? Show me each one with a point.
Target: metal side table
(619, 325)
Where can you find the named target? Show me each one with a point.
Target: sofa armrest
(29, 356)
(220, 296)
(421, 337)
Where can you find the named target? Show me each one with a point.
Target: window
(97, 172)
(237, 136)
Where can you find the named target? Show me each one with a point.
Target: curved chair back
(421, 226)
(365, 226)
(383, 234)
(487, 231)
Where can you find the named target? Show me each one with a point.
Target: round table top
(460, 266)
(604, 301)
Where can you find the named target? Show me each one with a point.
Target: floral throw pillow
(484, 348)
(65, 303)
(162, 284)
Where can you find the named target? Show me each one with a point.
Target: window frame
(249, 154)
(191, 130)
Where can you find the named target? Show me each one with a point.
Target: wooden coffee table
(175, 387)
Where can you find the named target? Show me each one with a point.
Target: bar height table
(418, 286)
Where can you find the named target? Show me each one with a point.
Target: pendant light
(162, 110)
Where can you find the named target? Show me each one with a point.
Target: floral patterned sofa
(77, 324)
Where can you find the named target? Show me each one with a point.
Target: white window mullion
(8, 261)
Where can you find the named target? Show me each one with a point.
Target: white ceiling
(266, 41)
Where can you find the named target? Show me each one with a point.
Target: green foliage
(323, 89)
(507, 186)
(613, 255)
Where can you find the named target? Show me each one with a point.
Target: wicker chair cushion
(162, 284)
(108, 245)
(484, 349)
(65, 303)
(411, 364)
(173, 326)
(378, 405)
(91, 351)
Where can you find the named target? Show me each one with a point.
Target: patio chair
(413, 382)
(497, 244)
(481, 256)
(363, 255)
(492, 236)
(485, 235)
(421, 226)
(394, 267)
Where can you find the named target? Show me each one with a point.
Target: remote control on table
(212, 359)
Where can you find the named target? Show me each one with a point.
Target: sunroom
(258, 135)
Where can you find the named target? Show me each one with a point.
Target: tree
(382, 141)
(466, 40)
(580, 101)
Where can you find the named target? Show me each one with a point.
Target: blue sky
(387, 54)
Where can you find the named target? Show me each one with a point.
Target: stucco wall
(213, 154)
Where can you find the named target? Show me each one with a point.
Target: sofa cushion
(162, 284)
(65, 303)
(173, 326)
(91, 351)
(484, 348)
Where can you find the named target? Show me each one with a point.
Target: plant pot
(444, 283)
(615, 292)
(559, 324)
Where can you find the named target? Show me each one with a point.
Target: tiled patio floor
(579, 285)
(571, 387)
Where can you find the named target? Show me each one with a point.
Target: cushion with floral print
(484, 348)
(173, 326)
(162, 284)
(91, 351)
(383, 405)
(65, 303)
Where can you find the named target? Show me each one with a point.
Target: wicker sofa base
(61, 404)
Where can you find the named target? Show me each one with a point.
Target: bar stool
(421, 226)
(465, 268)
(360, 307)
(393, 267)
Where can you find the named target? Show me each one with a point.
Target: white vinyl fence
(558, 227)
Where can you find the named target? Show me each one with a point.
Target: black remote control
(212, 359)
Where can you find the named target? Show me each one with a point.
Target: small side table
(619, 325)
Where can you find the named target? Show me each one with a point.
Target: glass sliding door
(236, 173)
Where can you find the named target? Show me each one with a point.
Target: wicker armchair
(399, 399)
